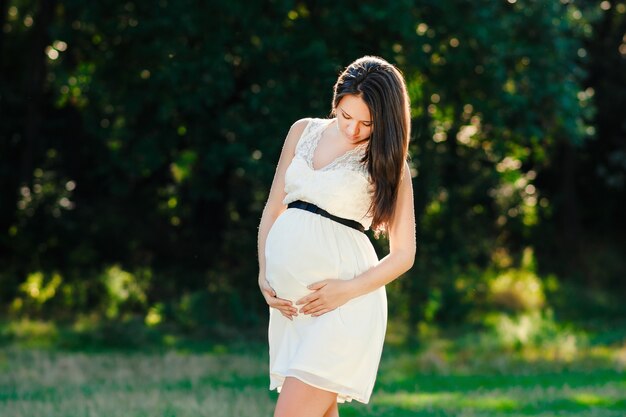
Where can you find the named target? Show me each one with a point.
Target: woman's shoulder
(297, 130)
(306, 121)
(312, 120)
(302, 126)
(301, 133)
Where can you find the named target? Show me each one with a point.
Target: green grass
(232, 380)
(527, 366)
(49, 383)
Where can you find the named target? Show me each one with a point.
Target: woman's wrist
(354, 288)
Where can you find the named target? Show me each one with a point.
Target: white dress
(338, 351)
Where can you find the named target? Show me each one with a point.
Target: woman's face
(354, 119)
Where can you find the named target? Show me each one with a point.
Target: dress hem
(342, 397)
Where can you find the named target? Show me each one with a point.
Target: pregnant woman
(318, 270)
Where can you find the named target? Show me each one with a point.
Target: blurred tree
(145, 136)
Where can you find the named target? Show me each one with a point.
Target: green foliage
(123, 288)
(536, 334)
(139, 142)
(517, 290)
(36, 291)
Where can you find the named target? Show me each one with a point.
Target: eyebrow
(365, 121)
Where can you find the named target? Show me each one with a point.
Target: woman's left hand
(327, 295)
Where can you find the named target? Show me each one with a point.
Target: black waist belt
(314, 209)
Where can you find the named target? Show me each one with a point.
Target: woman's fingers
(272, 300)
(285, 310)
(288, 312)
(287, 315)
(315, 311)
(285, 307)
(312, 306)
(308, 299)
(279, 303)
(321, 311)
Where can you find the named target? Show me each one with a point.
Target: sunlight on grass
(122, 384)
(470, 375)
(585, 398)
(619, 357)
(533, 400)
(222, 381)
(490, 402)
(448, 400)
(415, 400)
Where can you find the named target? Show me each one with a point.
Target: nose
(352, 129)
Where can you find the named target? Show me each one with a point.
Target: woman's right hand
(285, 307)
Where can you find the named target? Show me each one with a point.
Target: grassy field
(231, 380)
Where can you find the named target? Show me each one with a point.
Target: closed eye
(345, 115)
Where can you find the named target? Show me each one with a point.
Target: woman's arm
(332, 293)
(273, 208)
(402, 244)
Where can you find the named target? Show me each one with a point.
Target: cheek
(344, 125)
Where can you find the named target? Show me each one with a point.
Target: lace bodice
(341, 187)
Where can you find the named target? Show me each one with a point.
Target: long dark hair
(382, 87)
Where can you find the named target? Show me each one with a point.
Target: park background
(138, 141)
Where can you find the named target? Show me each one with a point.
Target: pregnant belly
(300, 249)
